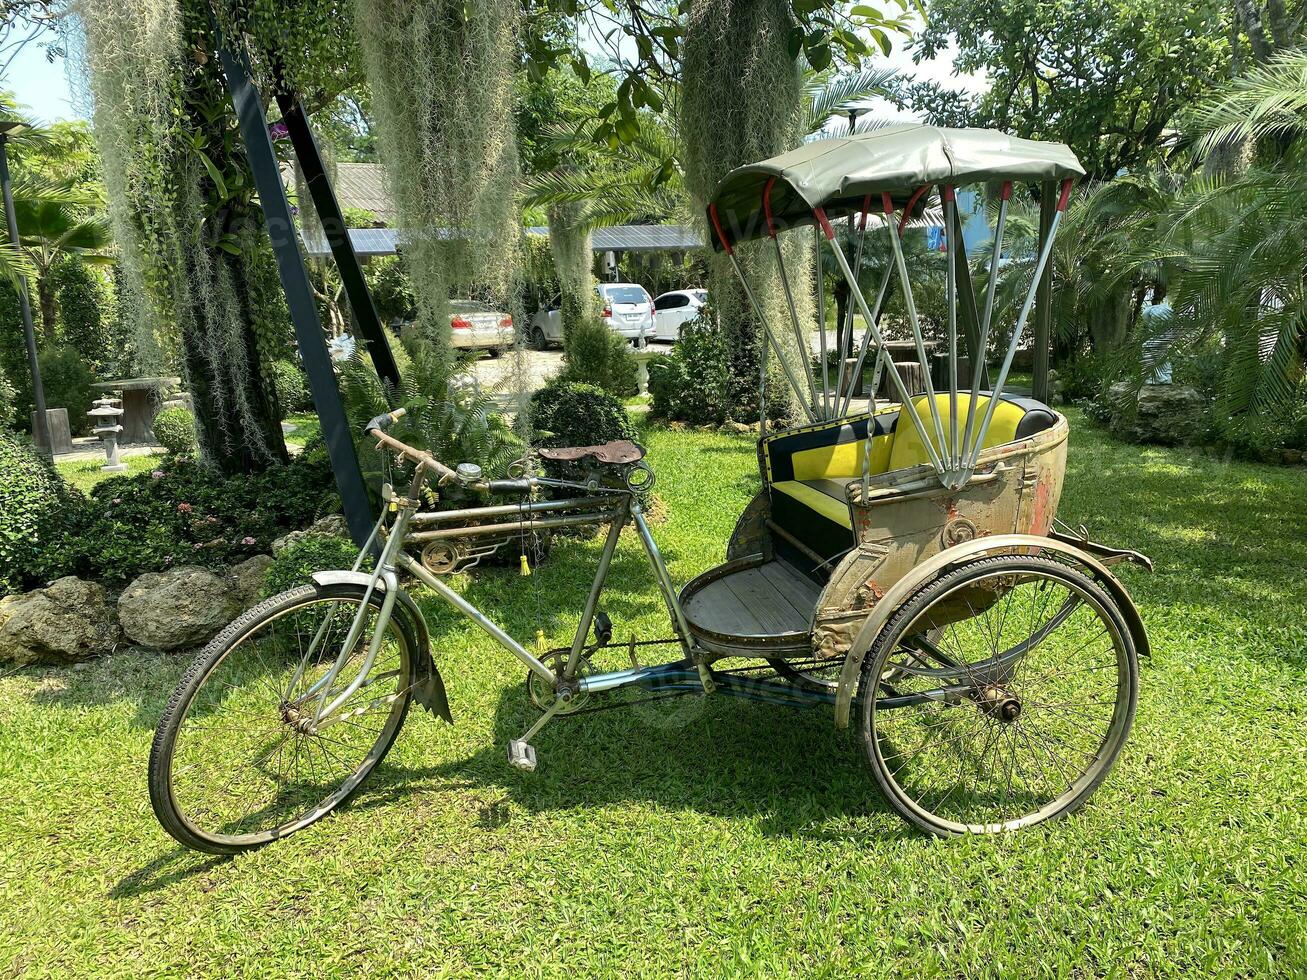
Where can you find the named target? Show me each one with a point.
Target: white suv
(627, 310)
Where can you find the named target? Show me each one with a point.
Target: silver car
(674, 309)
(474, 325)
(627, 310)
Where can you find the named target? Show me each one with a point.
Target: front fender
(997, 544)
(429, 686)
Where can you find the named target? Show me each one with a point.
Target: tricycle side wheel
(998, 696)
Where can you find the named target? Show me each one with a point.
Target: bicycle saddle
(618, 453)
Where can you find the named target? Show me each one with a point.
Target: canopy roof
(837, 174)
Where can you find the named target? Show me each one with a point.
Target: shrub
(392, 292)
(565, 413)
(295, 564)
(292, 387)
(68, 382)
(86, 306)
(690, 385)
(597, 356)
(184, 513)
(35, 504)
(175, 430)
(8, 399)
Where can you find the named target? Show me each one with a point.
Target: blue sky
(41, 86)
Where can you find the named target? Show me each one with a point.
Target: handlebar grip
(382, 422)
(508, 486)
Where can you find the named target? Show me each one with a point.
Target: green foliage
(392, 292)
(185, 513)
(1106, 77)
(8, 396)
(296, 563)
(567, 413)
(1265, 436)
(441, 77)
(690, 384)
(86, 308)
(67, 382)
(34, 508)
(292, 387)
(198, 272)
(597, 356)
(175, 429)
(448, 415)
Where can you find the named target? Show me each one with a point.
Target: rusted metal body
(908, 518)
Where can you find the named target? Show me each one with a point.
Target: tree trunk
(49, 308)
(741, 95)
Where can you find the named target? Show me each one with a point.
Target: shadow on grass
(164, 871)
(782, 768)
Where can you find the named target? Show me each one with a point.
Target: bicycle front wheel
(238, 761)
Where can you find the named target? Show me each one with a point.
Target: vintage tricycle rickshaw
(900, 562)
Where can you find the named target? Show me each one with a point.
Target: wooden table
(140, 397)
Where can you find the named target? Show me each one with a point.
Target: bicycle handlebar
(377, 427)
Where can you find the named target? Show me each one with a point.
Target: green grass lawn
(707, 837)
(86, 473)
(306, 426)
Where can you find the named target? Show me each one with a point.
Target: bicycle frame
(392, 559)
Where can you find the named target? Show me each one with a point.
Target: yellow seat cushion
(908, 449)
(818, 495)
(841, 460)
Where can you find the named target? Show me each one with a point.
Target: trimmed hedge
(35, 505)
(565, 413)
(175, 430)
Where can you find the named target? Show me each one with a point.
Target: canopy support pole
(789, 296)
(866, 343)
(951, 290)
(757, 311)
(861, 300)
(911, 307)
(846, 328)
(1035, 284)
(978, 371)
(880, 299)
(821, 323)
(762, 392)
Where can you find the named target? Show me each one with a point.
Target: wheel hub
(998, 702)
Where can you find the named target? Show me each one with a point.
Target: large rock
(68, 622)
(331, 526)
(182, 607)
(1166, 414)
(247, 579)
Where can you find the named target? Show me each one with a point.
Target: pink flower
(247, 540)
(116, 501)
(184, 508)
(156, 475)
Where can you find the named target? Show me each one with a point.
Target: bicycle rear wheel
(236, 763)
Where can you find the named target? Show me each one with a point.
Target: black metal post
(333, 226)
(299, 294)
(42, 428)
(1043, 334)
(967, 310)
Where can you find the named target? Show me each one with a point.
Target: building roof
(363, 186)
(373, 242)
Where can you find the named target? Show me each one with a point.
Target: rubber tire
(538, 339)
(161, 798)
(872, 666)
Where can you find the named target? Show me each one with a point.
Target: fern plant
(448, 414)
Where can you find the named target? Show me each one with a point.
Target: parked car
(474, 325)
(674, 308)
(627, 310)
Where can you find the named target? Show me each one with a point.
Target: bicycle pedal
(521, 755)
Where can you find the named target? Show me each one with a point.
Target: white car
(627, 310)
(675, 308)
(474, 325)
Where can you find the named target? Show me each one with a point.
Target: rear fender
(429, 686)
(998, 544)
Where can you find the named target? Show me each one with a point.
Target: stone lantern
(106, 414)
